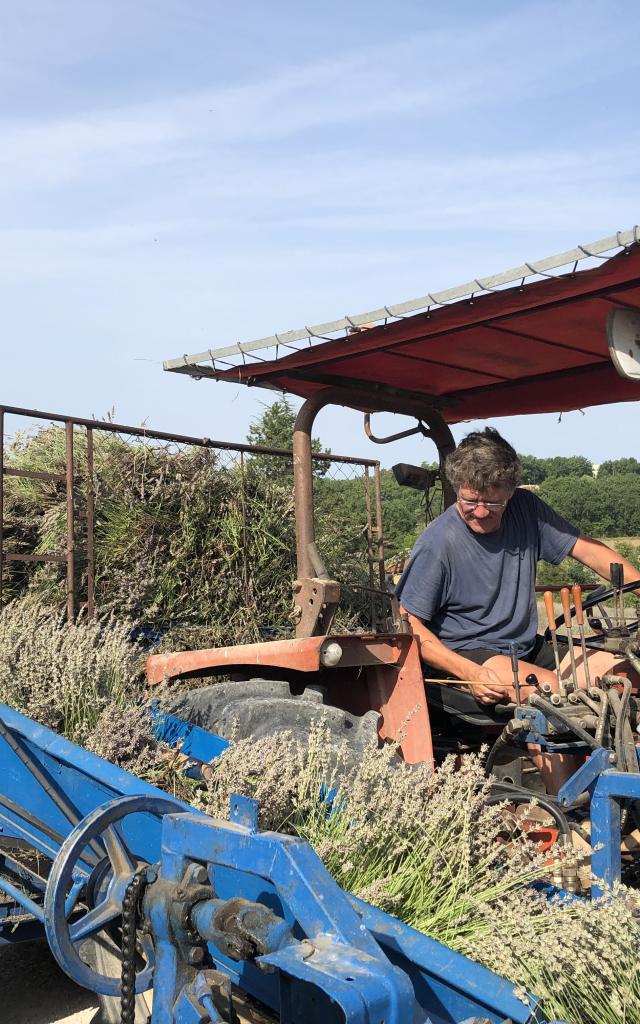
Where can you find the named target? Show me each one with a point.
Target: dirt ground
(35, 991)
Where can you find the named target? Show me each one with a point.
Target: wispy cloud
(383, 91)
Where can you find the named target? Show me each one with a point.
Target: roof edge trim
(621, 239)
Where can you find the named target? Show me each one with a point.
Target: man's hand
(492, 689)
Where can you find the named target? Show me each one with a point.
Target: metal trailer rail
(80, 505)
(211, 906)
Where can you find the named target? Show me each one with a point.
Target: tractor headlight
(330, 654)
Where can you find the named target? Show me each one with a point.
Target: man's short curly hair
(483, 460)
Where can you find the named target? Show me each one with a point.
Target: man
(469, 585)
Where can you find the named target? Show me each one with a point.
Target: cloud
(379, 91)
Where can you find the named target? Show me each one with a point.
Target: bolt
(180, 893)
(200, 874)
(196, 955)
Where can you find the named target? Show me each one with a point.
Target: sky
(177, 175)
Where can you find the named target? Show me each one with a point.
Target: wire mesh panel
(179, 535)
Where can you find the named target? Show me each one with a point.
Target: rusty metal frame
(303, 455)
(73, 516)
(378, 672)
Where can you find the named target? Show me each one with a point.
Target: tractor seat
(459, 703)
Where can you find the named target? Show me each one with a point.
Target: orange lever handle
(565, 597)
(576, 593)
(548, 605)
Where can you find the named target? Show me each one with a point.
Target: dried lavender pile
(65, 675)
(173, 543)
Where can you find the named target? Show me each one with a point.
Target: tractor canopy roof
(525, 341)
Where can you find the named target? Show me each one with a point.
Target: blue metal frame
(324, 956)
(608, 788)
(194, 742)
(369, 965)
(540, 731)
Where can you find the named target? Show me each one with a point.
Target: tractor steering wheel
(596, 599)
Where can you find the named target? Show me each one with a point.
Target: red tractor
(526, 341)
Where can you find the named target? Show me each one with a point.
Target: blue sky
(175, 176)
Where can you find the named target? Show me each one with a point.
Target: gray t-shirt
(478, 590)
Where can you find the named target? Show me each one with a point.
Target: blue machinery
(206, 908)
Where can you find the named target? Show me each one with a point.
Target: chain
(130, 913)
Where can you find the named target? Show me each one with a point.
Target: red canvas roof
(541, 347)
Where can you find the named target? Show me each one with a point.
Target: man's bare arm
(442, 658)
(598, 556)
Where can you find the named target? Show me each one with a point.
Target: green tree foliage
(607, 507)
(533, 469)
(274, 429)
(619, 467)
(567, 465)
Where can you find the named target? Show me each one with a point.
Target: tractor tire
(259, 707)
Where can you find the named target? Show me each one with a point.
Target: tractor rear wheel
(255, 708)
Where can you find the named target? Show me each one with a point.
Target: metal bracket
(206, 1000)
(315, 604)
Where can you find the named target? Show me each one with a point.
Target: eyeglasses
(470, 504)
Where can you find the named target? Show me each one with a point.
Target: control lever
(617, 582)
(565, 598)
(513, 647)
(577, 603)
(551, 622)
(595, 603)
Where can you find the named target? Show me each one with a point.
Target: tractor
(525, 341)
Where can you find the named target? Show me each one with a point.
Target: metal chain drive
(130, 915)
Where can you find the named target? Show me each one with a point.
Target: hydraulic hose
(624, 745)
(515, 795)
(600, 707)
(631, 652)
(581, 695)
(603, 718)
(501, 742)
(563, 721)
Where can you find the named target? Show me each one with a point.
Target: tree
(274, 429)
(533, 469)
(602, 508)
(616, 467)
(620, 504)
(575, 498)
(568, 465)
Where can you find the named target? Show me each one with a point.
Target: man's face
(486, 516)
